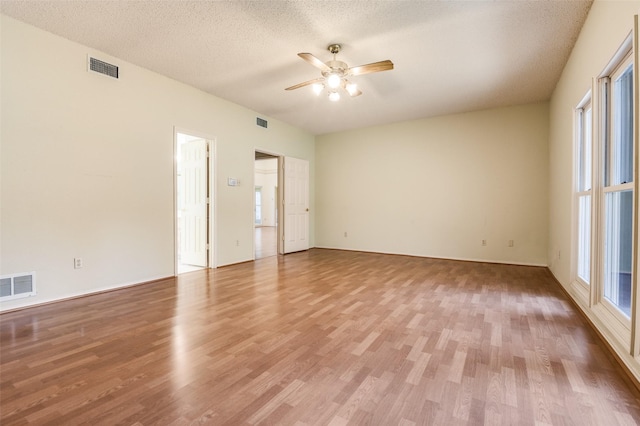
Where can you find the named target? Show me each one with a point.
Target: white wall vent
(101, 67)
(16, 286)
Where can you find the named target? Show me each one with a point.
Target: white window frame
(606, 143)
(612, 317)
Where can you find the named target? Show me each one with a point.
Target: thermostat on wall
(233, 182)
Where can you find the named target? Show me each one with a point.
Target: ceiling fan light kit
(333, 80)
(335, 73)
(352, 89)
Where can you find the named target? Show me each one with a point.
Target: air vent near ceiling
(261, 122)
(16, 286)
(101, 67)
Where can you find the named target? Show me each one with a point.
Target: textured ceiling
(449, 56)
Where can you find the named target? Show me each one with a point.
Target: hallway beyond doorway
(265, 241)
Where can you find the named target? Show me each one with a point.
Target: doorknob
(307, 209)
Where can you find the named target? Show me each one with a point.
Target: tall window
(604, 192)
(584, 164)
(617, 184)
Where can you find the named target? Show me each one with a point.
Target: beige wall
(439, 186)
(87, 167)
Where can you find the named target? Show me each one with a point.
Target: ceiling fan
(335, 73)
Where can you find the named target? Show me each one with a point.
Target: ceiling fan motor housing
(337, 67)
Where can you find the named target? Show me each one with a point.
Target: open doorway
(192, 214)
(265, 205)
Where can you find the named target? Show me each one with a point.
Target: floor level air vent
(17, 286)
(101, 67)
(261, 122)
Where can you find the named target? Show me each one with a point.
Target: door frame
(279, 200)
(212, 231)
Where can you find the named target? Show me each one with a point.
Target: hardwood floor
(266, 241)
(320, 337)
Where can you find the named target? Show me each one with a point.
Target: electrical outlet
(237, 243)
(77, 263)
(510, 244)
(484, 242)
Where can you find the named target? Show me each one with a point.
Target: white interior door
(296, 204)
(193, 220)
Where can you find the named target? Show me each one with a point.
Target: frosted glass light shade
(333, 80)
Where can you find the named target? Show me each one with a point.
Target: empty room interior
(319, 212)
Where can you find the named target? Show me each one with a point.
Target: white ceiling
(449, 56)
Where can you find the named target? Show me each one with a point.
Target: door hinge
(207, 246)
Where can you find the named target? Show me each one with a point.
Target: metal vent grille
(261, 122)
(102, 67)
(17, 285)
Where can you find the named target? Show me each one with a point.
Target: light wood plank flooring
(266, 241)
(315, 338)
